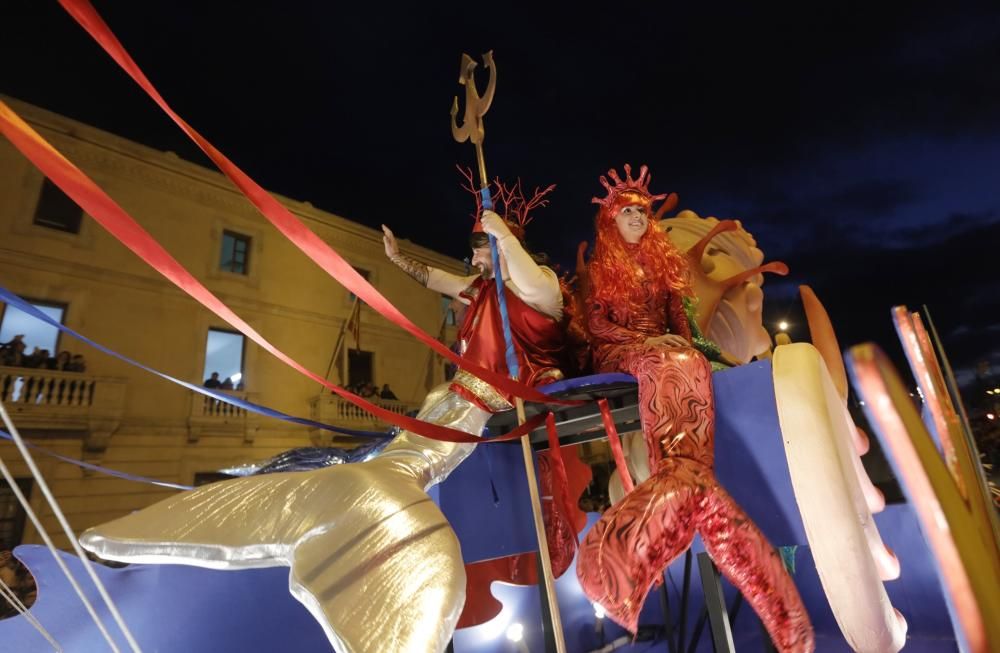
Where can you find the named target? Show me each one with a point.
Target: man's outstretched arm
(432, 278)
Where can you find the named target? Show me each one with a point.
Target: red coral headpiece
(508, 201)
(626, 191)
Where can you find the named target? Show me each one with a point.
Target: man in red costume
(637, 325)
(535, 309)
(534, 306)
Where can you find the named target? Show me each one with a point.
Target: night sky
(860, 144)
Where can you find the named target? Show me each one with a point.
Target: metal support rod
(715, 604)
(684, 599)
(668, 622)
(734, 610)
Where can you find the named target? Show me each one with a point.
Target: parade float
(487, 564)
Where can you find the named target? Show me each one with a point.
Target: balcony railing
(208, 415)
(54, 400)
(209, 408)
(24, 387)
(331, 409)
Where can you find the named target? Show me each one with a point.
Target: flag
(354, 323)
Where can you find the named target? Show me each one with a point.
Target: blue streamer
(509, 353)
(97, 468)
(13, 300)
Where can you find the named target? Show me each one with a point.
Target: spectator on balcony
(368, 390)
(63, 361)
(227, 384)
(51, 362)
(12, 352)
(78, 364)
(213, 381)
(387, 393)
(34, 359)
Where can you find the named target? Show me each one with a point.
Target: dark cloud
(955, 277)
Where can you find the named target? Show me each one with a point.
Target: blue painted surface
(168, 608)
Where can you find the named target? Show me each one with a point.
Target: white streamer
(12, 598)
(57, 511)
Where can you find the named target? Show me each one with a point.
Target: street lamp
(599, 623)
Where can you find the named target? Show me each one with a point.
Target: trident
(473, 129)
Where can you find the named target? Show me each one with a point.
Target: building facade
(124, 418)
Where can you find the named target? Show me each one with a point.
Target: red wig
(618, 268)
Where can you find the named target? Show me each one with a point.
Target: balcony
(331, 409)
(49, 400)
(208, 416)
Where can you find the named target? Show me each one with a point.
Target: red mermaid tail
(635, 540)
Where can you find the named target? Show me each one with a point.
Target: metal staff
(472, 129)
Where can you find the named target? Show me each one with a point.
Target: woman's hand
(669, 340)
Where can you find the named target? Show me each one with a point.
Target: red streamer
(616, 445)
(122, 226)
(293, 228)
(560, 481)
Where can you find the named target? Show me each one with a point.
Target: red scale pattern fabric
(635, 540)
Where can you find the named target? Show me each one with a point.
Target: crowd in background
(14, 354)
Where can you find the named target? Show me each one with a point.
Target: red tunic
(538, 342)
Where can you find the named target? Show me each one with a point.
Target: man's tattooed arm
(415, 269)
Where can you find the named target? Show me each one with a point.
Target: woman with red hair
(637, 323)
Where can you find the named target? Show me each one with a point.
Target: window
(36, 333)
(235, 253)
(55, 210)
(12, 514)
(364, 273)
(224, 355)
(359, 367)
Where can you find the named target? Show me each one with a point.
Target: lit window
(35, 332)
(55, 210)
(449, 314)
(235, 253)
(224, 359)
